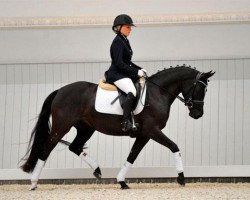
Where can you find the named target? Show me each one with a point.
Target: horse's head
(194, 93)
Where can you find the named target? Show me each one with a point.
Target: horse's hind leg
(84, 132)
(54, 137)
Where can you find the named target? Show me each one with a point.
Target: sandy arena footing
(142, 191)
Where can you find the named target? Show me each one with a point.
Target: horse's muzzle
(196, 115)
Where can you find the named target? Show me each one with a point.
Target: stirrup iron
(134, 127)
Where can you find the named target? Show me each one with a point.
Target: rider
(123, 72)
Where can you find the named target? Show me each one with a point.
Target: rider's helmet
(120, 20)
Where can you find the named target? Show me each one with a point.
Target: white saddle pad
(104, 98)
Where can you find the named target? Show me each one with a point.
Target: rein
(163, 89)
(190, 102)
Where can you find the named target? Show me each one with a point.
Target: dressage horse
(74, 106)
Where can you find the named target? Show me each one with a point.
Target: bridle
(190, 101)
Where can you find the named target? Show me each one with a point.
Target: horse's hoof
(97, 173)
(124, 186)
(33, 186)
(181, 179)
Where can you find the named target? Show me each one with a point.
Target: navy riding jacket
(121, 64)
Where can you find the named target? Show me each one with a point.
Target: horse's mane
(183, 72)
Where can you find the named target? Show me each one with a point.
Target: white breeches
(126, 85)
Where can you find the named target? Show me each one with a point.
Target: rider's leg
(127, 108)
(127, 86)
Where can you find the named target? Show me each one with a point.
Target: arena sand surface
(142, 191)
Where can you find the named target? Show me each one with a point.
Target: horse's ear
(207, 75)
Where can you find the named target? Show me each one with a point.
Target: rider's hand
(144, 70)
(140, 73)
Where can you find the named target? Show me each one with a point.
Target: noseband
(190, 101)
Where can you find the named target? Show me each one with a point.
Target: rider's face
(125, 30)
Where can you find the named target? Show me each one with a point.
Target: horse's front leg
(159, 137)
(140, 142)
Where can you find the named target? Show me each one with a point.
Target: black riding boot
(127, 108)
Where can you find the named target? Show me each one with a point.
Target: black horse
(73, 106)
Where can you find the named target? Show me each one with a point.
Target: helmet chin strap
(123, 35)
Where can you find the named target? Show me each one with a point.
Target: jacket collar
(124, 38)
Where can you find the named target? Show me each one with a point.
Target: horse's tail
(39, 135)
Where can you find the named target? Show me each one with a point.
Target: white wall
(32, 8)
(149, 43)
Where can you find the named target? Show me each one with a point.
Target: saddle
(122, 95)
(108, 93)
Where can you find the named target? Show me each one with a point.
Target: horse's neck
(171, 79)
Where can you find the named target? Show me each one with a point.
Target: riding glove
(141, 72)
